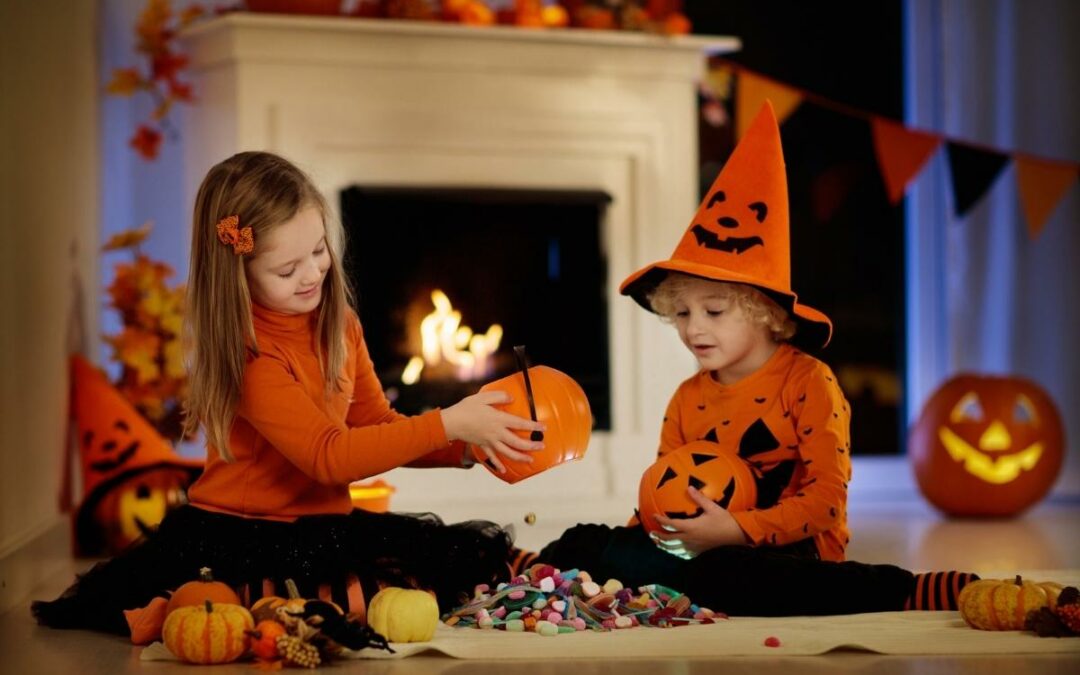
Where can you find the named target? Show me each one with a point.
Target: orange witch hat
(114, 440)
(740, 233)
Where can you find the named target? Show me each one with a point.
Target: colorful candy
(548, 601)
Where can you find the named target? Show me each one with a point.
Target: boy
(727, 289)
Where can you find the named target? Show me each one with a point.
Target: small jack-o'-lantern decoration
(986, 446)
(723, 477)
(554, 398)
(130, 474)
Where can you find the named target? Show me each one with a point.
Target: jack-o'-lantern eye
(967, 409)
(1024, 411)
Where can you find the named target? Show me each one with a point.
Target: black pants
(736, 580)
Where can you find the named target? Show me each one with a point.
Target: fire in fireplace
(448, 280)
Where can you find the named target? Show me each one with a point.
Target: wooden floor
(906, 533)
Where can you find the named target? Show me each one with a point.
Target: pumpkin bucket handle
(523, 363)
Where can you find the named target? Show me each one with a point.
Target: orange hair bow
(240, 239)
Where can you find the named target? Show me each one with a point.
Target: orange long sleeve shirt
(296, 448)
(788, 419)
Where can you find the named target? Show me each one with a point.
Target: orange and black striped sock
(520, 560)
(938, 590)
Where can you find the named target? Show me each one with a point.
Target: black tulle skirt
(407, 550)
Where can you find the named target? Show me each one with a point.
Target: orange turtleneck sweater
(297, 449)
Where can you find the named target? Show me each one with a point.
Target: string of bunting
(902, 152)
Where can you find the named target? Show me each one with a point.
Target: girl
(282, 384)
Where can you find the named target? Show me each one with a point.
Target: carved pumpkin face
(136, 505)
(561, 405)
(721, 476)
(986, 446)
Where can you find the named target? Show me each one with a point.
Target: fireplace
(448, 280)
(595, 126)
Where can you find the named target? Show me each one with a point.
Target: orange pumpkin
(987, 446)
(1003, 604)
(560, 403)
(721, 476)
(195, 593)
(209, 633)
(264, 639)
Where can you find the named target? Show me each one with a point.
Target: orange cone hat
(114, 439)
(740, 233)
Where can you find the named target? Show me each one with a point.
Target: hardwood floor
(907, 533)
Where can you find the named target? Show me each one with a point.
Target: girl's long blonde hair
(264, 191)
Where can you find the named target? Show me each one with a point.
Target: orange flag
(754, 90)
(1042, 184)
(901, 154)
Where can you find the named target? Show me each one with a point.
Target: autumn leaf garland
(155, 30)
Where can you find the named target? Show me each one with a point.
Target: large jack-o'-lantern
(723, 477)
(986, 446)
(554, 398)
(131, 476)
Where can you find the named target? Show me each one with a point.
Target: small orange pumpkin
(560, 403)
(209, 633)
(264, 639)
(721, 476)
(1003, 604)
(195, 593)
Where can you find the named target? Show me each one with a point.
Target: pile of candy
(548, 601)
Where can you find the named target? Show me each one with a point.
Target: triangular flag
(1042, 184)
(973, 171)
(754, 90)
(901, 154)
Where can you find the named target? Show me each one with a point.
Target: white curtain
(982, 296)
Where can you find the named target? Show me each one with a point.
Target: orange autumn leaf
(174, 359)
(180, 91)
(125, 82)
(146, 142)
(137, 349)
(190, 13)
(128, 238)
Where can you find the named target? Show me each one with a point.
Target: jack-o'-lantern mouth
(712, 240)
(997, 470)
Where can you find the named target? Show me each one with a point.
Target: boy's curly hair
(758, 307)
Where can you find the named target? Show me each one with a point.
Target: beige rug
(902, 633)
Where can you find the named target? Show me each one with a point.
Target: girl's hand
(475, 421)
(687, 538)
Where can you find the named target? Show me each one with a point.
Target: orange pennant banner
(1042, 185)
(754, 90)
(901, 154)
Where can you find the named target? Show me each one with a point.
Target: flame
(443, 338)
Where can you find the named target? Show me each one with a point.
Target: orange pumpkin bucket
(723, 477)
(554, 398)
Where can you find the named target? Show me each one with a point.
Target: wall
(48, 236)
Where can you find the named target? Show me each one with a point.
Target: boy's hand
(475, 421)
(687, 538)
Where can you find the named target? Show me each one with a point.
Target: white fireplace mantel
(393, 103)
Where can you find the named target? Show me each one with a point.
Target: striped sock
(520, 560)
(938, 590)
